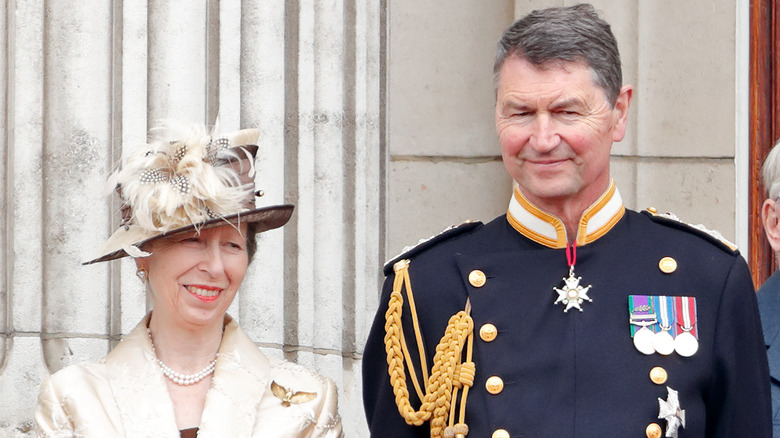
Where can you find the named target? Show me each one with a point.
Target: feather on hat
(186, 179)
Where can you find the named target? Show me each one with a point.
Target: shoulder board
(711, 235)
(422, 244)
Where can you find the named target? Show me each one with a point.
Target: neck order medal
(572, 294)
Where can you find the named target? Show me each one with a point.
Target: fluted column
(86, 81)
(22, 358)
(76, 151)
(262, 105)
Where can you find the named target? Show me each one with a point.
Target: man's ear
(622, 104)
(770, 216)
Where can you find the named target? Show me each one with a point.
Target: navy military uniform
(543, 372)
(769, 307)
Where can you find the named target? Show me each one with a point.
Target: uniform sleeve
(382, 414)
(328, 422)
(51, 420)
(738, 402)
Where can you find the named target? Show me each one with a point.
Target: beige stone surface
(623, 172)
(623, 17)
(261, 75)
(76, 150)
(22, 375)
(698, 191)
(686, 90)
(439, 88)
(427, 197)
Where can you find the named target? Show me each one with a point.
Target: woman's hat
(184, 180)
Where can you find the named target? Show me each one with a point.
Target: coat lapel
(769, 304)
(240, 380)
(139, 387)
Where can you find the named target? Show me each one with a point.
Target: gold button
(488, 332)
(658, 375)
(494, 385)
(652, 210)
(477, 278)
(500, 433)
(667, 265)
(653, 431)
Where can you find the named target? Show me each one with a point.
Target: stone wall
(376, 121)
(86, 79)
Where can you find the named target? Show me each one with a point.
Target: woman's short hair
(251, 241)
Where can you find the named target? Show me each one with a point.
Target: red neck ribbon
(571, 253)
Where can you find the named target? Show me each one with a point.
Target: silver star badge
(670, 411)
(572, 294)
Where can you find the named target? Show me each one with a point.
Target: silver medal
(643, 340)
(663, 342)
(686, 344)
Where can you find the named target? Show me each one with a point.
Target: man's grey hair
(770, 172)
(573, 34)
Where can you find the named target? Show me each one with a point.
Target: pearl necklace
(182, 379)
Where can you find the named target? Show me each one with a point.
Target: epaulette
(700, 230)
(422, 244)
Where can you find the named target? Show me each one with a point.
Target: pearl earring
(141, 273)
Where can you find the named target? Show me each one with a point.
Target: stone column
(86, 80)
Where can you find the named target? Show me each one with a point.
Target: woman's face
(195, 276)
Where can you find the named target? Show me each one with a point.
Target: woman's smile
(203, 292)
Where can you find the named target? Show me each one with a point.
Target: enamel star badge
(670, 411)
(572, 294)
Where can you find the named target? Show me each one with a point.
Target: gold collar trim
(548, 230)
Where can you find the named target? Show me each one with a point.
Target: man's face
(556, 129)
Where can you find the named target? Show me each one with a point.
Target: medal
(686, 344)
(671, 411)
(663, 342)
(642, 316)
(643, 340)
(572, 294)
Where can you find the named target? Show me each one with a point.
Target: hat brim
(266, 218)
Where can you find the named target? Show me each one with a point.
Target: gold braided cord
(403, 280)
(449, 372)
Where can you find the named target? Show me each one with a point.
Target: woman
(189, 220)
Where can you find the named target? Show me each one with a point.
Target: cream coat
(125, 395)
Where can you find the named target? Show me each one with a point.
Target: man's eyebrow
(516, 104)
(566, 103)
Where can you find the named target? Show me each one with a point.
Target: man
(769, 293)
(569, 315)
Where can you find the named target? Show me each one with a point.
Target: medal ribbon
(663, 311)
(571, 253)
(641, 309)
(683, 306)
